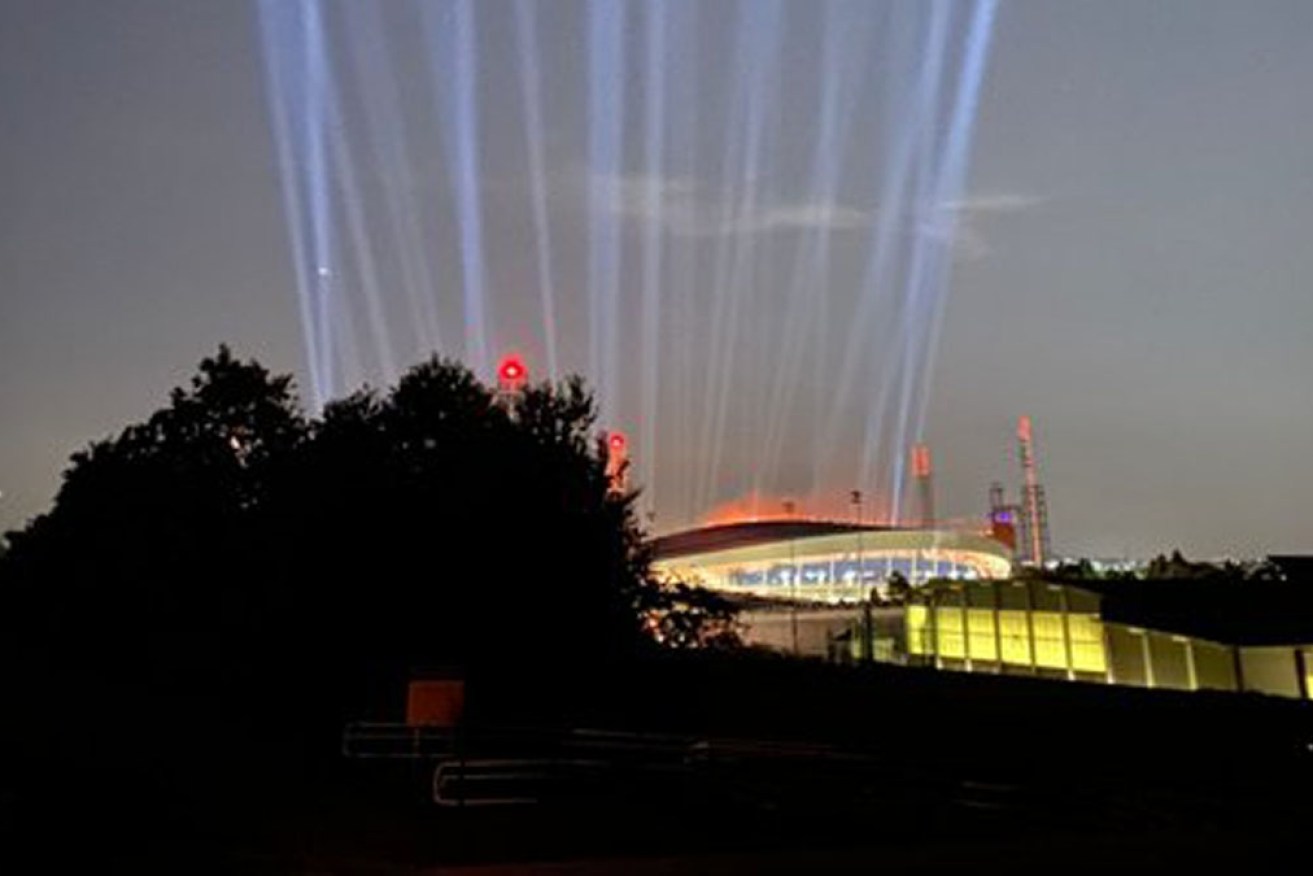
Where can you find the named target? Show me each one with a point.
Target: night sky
(1131, 266)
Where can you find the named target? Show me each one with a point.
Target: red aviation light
(616, 442)
(921, 467)
(512, 373)
(1024, 429)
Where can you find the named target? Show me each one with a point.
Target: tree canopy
(232, 542)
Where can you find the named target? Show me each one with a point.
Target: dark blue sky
(1132, 268)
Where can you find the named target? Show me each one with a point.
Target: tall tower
(923, 472)
(1035, 512)
(617, 461)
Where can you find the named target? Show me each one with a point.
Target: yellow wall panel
(951, 632)
(1050, 649)
(1087, 652)
(981, 634)
(1015, 634)
(918, 630)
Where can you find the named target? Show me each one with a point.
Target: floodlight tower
(512, 375)
(923, 472)
(1035, 514)
(617, 461)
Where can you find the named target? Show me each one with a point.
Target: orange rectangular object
(1004, 532)
(435, 703)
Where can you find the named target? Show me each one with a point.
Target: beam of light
(714, 343)
(530, 76)
(748, 279)
(606, 82)
(348, 356)
(701, 348)
(389, 140)
(979, 38)
(277, 38)
(295, 52)
(915, 311)
(763, 96)
(910, 112)
(362, 249)
(808, 287)
(933, 250)
(685, 94)
(456, 83)
(317, 186)
(918, 304)
(759, 28)
(877, 427)
(654, 99)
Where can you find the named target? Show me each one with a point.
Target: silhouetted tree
(899, 588)
(682, 615)
(233, 561)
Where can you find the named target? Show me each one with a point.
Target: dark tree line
(233, 557)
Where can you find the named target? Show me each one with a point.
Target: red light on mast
(617, 459)
(921, 467)
(1024, 432)
(512, 374)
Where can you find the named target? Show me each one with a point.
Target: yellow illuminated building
(1057, 630)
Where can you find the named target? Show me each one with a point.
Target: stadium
(823, 561)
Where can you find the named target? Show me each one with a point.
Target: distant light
(512, 372)
(617, 441)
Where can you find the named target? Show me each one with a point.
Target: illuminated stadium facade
(824, 561)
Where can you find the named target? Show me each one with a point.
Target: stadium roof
(749, 533)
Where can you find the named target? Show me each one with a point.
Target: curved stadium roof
(730, 536)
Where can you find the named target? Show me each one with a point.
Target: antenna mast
(1035, 513)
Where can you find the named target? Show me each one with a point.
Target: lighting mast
(512, 375)
(617, 461)
(1034, 506)
(923, 472)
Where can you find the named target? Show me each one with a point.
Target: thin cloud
(963, 219)
(690, 208)
(996, 202)
(815, 215)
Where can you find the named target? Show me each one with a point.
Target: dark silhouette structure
(230, 580)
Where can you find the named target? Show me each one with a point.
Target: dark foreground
(711, 764)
